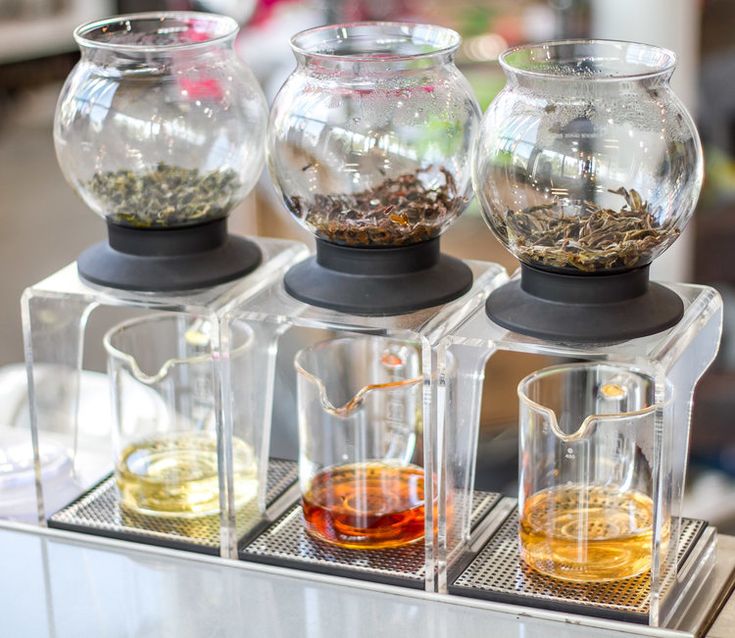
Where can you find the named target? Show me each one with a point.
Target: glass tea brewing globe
(370, 136)
(369, 146)
(586, 161)
(160, 125)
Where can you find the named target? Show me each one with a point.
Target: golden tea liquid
(587, 534)
(176, 475)
(366, 505)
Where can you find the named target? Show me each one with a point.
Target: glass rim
(297, 44)
(358, 396)
(83, 30)
(555, 369)
(171, 362)
(662, 69)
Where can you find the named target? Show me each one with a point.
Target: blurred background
(45, 226)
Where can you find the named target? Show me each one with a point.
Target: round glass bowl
(370, 136)
(160, 125)
(586, 161)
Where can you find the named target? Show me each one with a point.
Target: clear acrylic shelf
(55, 315)
(677, 357)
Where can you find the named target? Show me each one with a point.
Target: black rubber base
(378, 281)
(170, 260)
(584, 308)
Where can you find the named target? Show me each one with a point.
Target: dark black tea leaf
(397, 212)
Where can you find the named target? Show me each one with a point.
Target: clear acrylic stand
(270, 314)
(55, 313)
(678, 356)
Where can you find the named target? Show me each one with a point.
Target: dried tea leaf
(598, 239)
(166, 196)
(397, 212)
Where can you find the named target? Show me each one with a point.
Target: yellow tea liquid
(366, 505)
(176, 475)
(587, 534)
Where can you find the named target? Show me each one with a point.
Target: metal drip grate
(482, 503)
(98, 511)
(497, 573)
(286, 544)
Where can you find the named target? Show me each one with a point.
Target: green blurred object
(719, 184)
(487, 80)
(442, 135)
(476, 20)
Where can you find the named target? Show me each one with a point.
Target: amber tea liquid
(176, 475)
(587, 534)
(366, 505)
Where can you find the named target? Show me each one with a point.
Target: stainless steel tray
(286, 544)
(99, 512)
(497, 573)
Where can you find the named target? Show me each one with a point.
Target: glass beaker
(586, 472)
(167, 463)
(360, 469)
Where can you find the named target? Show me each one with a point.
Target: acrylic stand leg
(682, 372)
(255, 397)
(53, 330)
(458, 421)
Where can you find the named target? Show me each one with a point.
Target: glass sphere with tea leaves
(160, 125)
(586, 161)
(370, 136)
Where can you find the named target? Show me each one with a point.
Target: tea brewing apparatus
(161, 131)
(369, 147)
(598, 528)
(587, 167)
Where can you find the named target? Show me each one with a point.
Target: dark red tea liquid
(366, 505)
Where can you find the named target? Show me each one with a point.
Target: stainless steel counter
(723, 625)
(57, 585)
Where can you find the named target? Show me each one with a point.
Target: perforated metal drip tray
(98, 511)
(286, 544)
(497, 573)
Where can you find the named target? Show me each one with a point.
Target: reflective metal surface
(55, 584)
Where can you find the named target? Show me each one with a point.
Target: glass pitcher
(586, 495)
(360, 468)
(167, 460)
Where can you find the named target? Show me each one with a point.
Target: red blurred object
(197, 31)
(265, 9)
(199, 87)
(358, 10)
(510, 28)
(202, 88)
